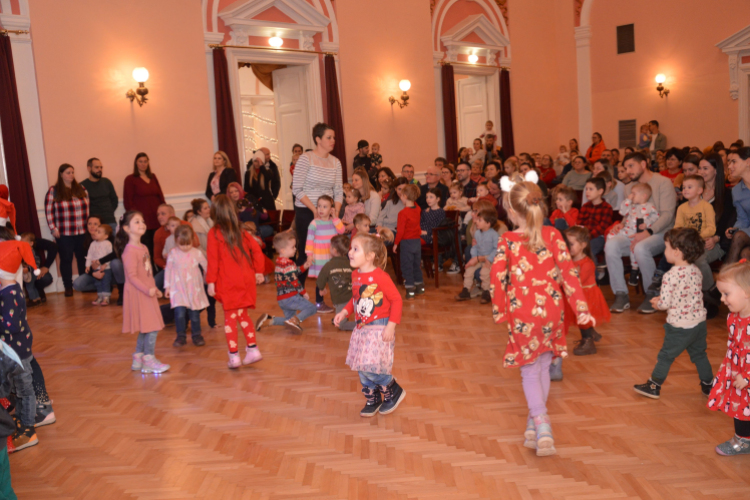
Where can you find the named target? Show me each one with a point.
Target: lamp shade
(404, 85)
(140, 75)
(275, 41)
(660, 78)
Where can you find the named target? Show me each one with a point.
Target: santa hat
(7, 213)
(12, 253)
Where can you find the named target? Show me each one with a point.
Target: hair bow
(506, 184)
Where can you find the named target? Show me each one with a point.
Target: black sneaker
(393, 394)
(650, 389)
(486, 299)
(633, 277)
(179, 342)
(199, 341)
(464, 295)
(706, 387)
(410, 293)
(419, 289)
(374, 402)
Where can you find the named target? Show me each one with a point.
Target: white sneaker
(454, 269)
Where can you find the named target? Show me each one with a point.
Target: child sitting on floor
(337, 274)
(482, 254)
(681, 296)
(290, 293)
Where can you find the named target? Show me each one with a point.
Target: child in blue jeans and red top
(290, 293)
(408, 241)
(377, 304)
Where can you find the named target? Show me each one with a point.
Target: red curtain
(226, 131)
(334, 112)
(14, 145)
(506, 121)
(449, 114)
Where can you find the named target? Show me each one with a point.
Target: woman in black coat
(221, 177)
(258, 182)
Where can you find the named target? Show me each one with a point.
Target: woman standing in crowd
(318, 172)
(479, 152)
(221, 177)
(370, 197)
(596, 149)
(67, 208)
(142, 193)
(258, 182)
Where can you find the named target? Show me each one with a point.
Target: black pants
(43, 282)
(742, 428)
(303, 216)
(68, 247)
(37, 380)
(148, 240)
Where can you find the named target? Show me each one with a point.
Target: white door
(471, 108)
(292, 124)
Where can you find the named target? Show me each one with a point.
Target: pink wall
(543, 81)
(372, 65)
(699, 109)
(85, 52)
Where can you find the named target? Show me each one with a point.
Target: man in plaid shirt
(596, 214)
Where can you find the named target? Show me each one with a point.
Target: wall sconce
(275, 42)
(404, 85)
(140, 75)
(473, 58)
(660, 79)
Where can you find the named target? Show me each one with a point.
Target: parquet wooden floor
(289, 426)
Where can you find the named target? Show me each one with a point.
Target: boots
(545, 443)
(374, 402)
(393, 394)
(252, 355)
(234, 360)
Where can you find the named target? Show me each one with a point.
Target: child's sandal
(530, 434)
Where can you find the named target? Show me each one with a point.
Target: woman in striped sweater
(317, 173)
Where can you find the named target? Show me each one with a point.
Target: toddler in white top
(100, 248)
(489, 129)
(172, 224)
(637, 215)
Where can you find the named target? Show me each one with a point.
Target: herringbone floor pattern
(289, 426)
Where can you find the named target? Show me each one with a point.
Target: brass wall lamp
(404, 85)
(140, 75)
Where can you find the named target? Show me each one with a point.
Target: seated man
(647, 244)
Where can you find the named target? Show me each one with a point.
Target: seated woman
(86, 282)
(248, 209)
(385, 178)
(388, 215)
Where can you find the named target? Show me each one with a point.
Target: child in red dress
(580, 251)
(377, 304)
(530, 272)
(235, 266)
(730, 392)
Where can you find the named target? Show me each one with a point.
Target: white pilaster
(437, 56)
(583, 59)
(212, 38)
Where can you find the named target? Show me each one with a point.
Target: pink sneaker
(153, 365)
(234, 360)
(137, 361)
(252, 355)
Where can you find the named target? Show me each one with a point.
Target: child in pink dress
(140, 311)
(183, 285)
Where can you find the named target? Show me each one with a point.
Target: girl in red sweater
(235, 266)
(377, 302)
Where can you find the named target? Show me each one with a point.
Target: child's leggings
(146, 343)
(231, 318)
(742, 428)
(535, 378)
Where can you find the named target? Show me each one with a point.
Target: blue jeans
(36, 284)
(180, 319)
(618, 247)
(374, 380)
(87, 283)
(25, 396)
(597, 245)
(146, 344)
(290, 307)
(561, 224)
(410, 253)
(104, 285)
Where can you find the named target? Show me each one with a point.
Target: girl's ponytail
(525, 198)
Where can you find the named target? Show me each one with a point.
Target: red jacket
(234, 281)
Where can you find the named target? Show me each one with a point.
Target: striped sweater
(315, 176)
(318, 245)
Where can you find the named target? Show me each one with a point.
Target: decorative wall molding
(736, 47)
(307, 21)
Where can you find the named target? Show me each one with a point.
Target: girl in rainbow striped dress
(318, 245)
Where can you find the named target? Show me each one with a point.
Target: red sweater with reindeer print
(374, 296)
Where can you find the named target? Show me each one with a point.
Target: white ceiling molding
(493, 40)
(307, 21)
(735, 47)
